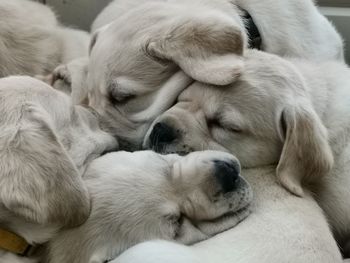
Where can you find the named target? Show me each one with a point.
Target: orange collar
(13, 243)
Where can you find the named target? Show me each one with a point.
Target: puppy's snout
(162, 134)
(227, 174)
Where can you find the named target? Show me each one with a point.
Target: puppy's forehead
(268, 71)
(133, 23)
(264, 77)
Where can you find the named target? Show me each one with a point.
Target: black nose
(161, 135)
(227, 174)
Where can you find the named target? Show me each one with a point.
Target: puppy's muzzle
(227, 174)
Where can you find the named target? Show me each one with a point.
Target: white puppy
(287, 28)
(281, 228)
(142, 60)
(46, 145)
(143, 196)
(294, 114)
(32, 42)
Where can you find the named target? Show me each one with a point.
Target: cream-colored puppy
(144, 196)
(32, 42)
(281, 24)
(292, 113)
(142, 60)
(46, 144)
(281, 228)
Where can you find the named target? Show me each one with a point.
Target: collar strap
(13, 243)
(255, 40)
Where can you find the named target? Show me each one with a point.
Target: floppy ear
(208, 50)
(38, 180)
(306, 154)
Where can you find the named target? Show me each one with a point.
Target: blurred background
(81, 13)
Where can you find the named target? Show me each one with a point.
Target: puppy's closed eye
(117, 96)
(217, 123)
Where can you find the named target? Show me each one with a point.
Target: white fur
(281, 228)
(46, 145)
(294, 114)
(144, 196)
(141, 48)
(33, 42)
(71, 78)
(282, 25)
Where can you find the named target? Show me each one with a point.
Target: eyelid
(117, 96)
(220, 122)
(231, 126)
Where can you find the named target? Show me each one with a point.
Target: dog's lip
(233, 213)
(237, 212)
(230, 214)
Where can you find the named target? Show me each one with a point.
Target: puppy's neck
(33, 234)
(20, 241)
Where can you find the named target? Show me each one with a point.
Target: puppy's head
(144, 59)
(42, 157)
(142, 195)
(265, 117)
(164, 196)
(208, 186)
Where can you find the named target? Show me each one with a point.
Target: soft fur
(143, 196)
(71, 78)
(46, 145)
(281, 228)
(153, 50)
(282, 24)
(292, 113)
(32, 41)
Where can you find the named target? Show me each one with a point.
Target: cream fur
(32, 42)
(71, 78)
(294, 113)
(281, 228)
(131, 84)
(144, 196)
(46, 145)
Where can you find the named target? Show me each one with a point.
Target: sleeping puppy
(142, 61)
(286, 28)
(32, 42)
(281, 228)
(144, 195)
(46, 145)
(294, 113)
